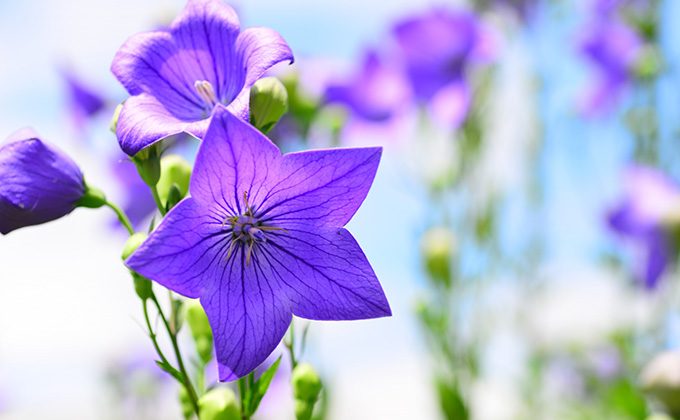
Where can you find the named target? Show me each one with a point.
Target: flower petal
(320, 187)
(184, 253)
(247, 316)
(325, 274)
(206, 31)
(260, 49)
(152, 63)
(144, 121)
(234, 158)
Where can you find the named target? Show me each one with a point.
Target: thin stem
(178, 355)
(152, 334)
(122, 217)
(157, 199)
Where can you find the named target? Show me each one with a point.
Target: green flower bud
(148, 164)
(93, 198)
(219, 404)
(133, 242)
(303, 410)
(173, 183)
(649, 63)
(661, 379)
(114, 120)
(306, 383)
(143, 286)
(437, 249)
(268, 103)
(200, 329)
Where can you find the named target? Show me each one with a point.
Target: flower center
(206, 92)
(246, 229)
(247, 232)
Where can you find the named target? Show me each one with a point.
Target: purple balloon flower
(261, 238)
(39, 183)
(651, 199)
(437, 47)
(375, 93)
(613, 49)
(178, 76)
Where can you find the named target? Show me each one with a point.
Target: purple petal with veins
(261, 238)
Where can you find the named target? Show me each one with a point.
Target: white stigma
(206, 91)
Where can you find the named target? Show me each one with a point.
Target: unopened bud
(306, 383)
(173, 183)
(219, 404)
(437, 249)
(268, 103)
(661, 379)
(143, 286)
(200, 329)
(114, 120)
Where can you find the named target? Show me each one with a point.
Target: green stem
(122, 217)
(178, 355)
(152, 334)
(157, 199)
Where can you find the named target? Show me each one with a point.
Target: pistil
(206, 92)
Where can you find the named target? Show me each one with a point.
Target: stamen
(206, 92)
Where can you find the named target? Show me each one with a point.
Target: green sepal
(148, 163)
(93, 198)
(219, 404)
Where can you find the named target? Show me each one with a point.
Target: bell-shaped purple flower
(178, 76)
(261, 238)
(650, 204)
(375, 93)
(436, 48)
(39, 183)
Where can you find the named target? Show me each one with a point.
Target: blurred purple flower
(649, 203)
(436, 49)
(39, 183)
(138, 203)
(178, 76)
(83, 100)
(261, 238)
(375, 93)
(613, 49)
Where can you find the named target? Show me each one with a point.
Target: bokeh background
(547, 310)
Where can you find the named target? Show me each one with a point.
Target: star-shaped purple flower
(39, 183)
(649, 207)
(178, 76)
(261, 238)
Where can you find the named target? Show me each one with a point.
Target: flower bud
(219, 404)
(114, 120)
(306, 383)
(133, 242)
(661, 379)
(143, 286)
(437, 249)
(268, 103)
(39, 183)
(200, 329)
(173, 183)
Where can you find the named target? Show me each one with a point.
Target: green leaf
(171, 370)
(261, 386)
